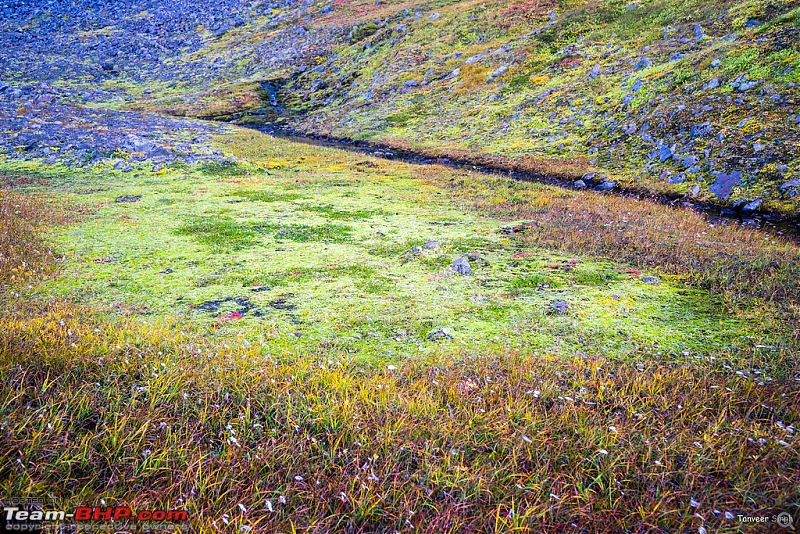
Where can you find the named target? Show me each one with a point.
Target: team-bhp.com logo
(34, 515)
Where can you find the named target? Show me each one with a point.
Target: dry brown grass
(740, 264)
(22, 253)
(559, 168)
(158, 415)
(221, 104)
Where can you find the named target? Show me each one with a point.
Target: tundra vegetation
(277, 335)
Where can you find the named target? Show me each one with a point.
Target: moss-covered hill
(683, 97)
(673, 96)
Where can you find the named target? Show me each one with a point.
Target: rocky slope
(684, 98)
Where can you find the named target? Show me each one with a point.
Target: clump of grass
(224, 233)
(333, 213)
(220, 232)
(23, 254)
(262, 195)
(521, 284)
(593, 276)
(331, 233)
(222, 168)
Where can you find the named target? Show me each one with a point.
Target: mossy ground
(252, 342)
(298, 243)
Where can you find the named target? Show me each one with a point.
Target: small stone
(790, 184)
(559, 307)
(663, 153)
(750, 207)
(439, 334)
(461, 266)
(499, 72)
(652, 280)
(431, 245)
(701, 130)
(579, 184)
(128, 198)
(606, 186)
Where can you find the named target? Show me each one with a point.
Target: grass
(365, 389)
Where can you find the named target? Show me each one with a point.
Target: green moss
(219, 233)
(368, 284)
(264, 195)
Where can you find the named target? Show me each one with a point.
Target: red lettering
(121, 512)
(102, 513)
(144, 515)
(178, 515)
(159, 515)
(83, 513)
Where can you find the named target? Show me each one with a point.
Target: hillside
(684, 98)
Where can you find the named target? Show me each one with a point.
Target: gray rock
(159, 152)
(135, 143)
(475, 58)
(595, 72)
(579, 184)
(431, 245)
(750, 207)
(701, 130)
(689, 161)
(790, 184)
(663, 153)
(434, 16)
(128, 198)
(724, 184)
(499, 72)
(746, 86)
(411, 83)
(606, 186)
(559, 307)
(713, 83)
(652, 280)
(643, 63)
(752, 23)
(439, 334)
(461, 266)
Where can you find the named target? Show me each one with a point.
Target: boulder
(724, 184)
(461, 266)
